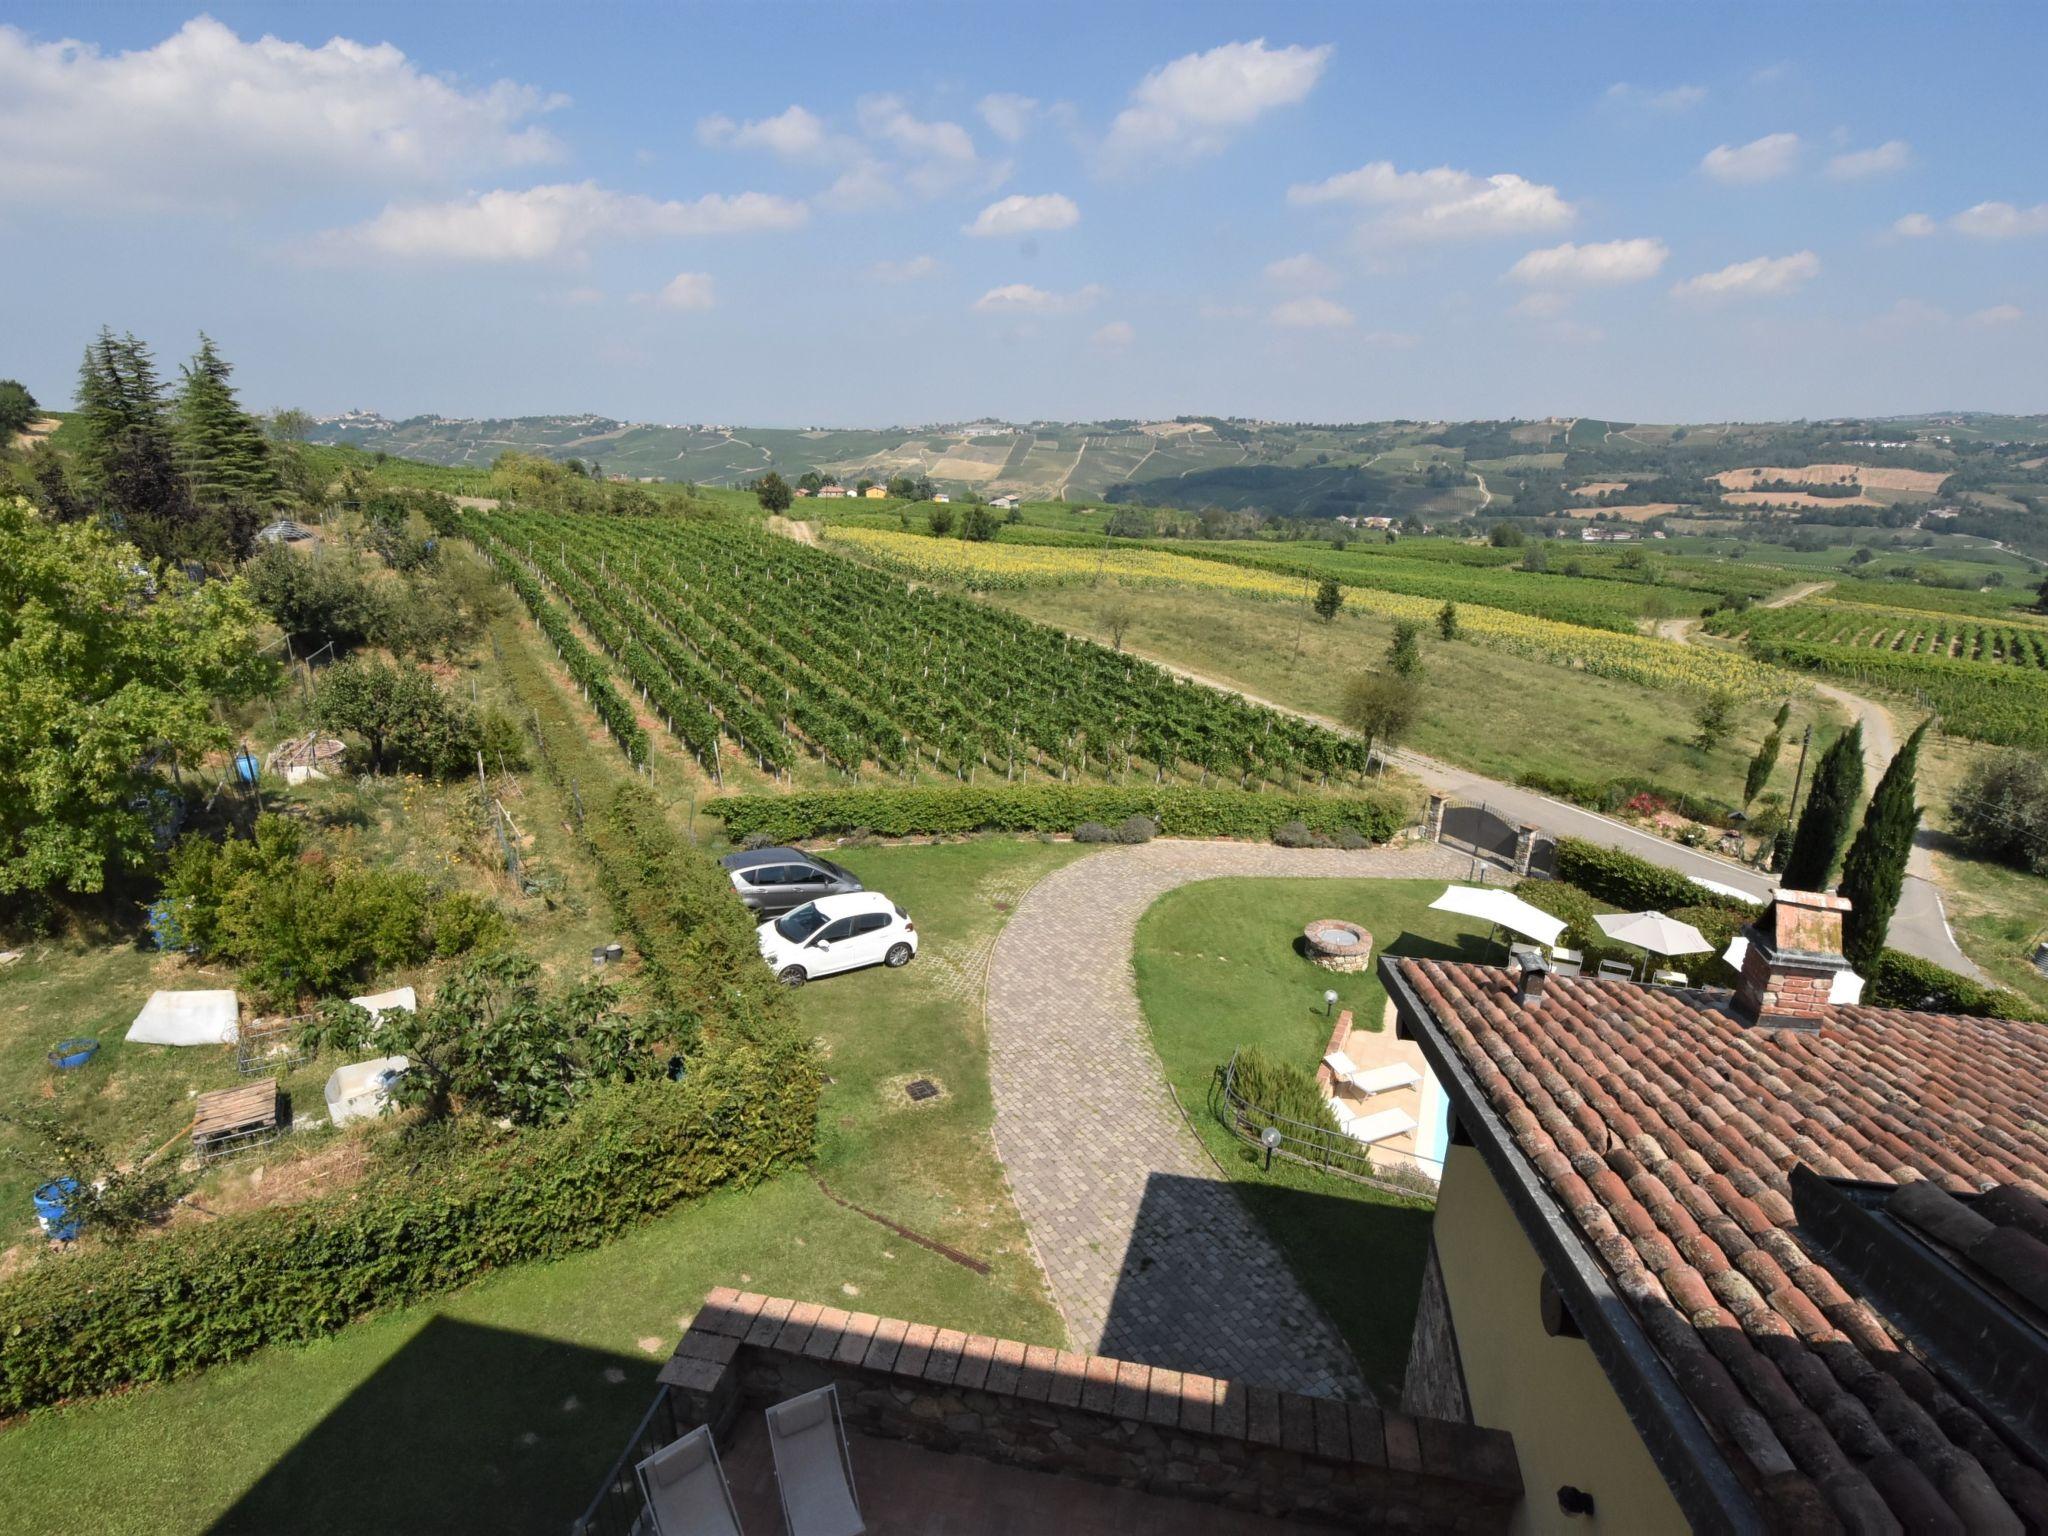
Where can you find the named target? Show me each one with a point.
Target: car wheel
(898, 956)
(792, 976)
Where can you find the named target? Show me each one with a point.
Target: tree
(1537, 556)
(404, 718)
(977, 523)
(126, 458)
(1505, 536)
(51, 488)
(1117, 618)
(809, 480)
(1447, 621)
(1711, 717)
(1381, 706)
(108, 677)
(1404, 651)
(1874, 871)
(289, 427)
(1329, 599)
(317, 599)
(774, 493)
(861, 487)
(1830, 807)
(18, 410)
(1761, 767)
(221, 447)
(2000, 810)
(1784, 715)
(2041, 595)
(940, 518)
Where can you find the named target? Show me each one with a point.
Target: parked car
(773, 881)
(838, 933)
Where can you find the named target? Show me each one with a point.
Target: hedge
(1633, 883)
(1906, 981)
(162, 1307)
(1610, 795)
(1180, 812)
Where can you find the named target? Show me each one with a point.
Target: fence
(1488, 834)
(1319, 1147)
(620, 1509)
(271, 1045)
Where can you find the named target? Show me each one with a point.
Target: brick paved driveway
(1149, 1253)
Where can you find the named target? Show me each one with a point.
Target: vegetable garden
(734, 636)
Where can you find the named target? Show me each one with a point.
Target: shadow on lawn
(1180, 1288)
(465, 1428)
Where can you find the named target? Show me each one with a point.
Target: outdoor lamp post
(1269, 1138)
(1329, 1004)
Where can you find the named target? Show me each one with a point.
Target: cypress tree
(221, 447)
(1875, 869)
(1760, 767)
(1830, 808)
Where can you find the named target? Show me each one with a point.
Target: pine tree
(127, 462)
(1328, 599)
(1875, 870)
(1830, 807)
(221, 447)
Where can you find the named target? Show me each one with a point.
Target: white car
(837, 933)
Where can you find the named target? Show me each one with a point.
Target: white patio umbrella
(1653, 931)
(1503, 909)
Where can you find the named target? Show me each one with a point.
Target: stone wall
(1169, 1433)
(1435, 1383)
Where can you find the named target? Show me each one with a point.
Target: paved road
(1150, 1254)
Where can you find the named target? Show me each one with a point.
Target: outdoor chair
(813, 1467)
(1670, 979)
(1396, 1074)
(1560, 958)
(686, 1490)
(1378, 1126)
(1341, 1066)
(1617, 970)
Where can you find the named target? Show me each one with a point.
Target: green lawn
(1218, 968)
(1482, 708)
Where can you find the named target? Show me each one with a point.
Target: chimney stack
(1532, 979)
(1795, 952)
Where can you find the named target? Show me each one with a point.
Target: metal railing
(1324, 1149)
(620, 1508)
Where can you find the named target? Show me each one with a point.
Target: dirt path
(1485, 495)
(794, 528)
(1796, 594)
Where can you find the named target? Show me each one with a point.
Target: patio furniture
(1653, 931)
(1670, 979)
(1560, 957)
(1341, 1066)
(1396, 1074)
(1378, 1126)
(1503, 909)
(685, 1488)
(813, 1467)
(1617, 970)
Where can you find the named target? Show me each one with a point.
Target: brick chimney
(1795, 951)
(1532, 979)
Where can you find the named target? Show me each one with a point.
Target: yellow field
(1640, 659)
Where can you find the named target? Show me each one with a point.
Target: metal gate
(1478, 829)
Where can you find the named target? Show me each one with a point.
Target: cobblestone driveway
(1150, 1255)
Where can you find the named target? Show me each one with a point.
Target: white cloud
(1677, 98)
(1022, 215)
(1303, 272)
(687, 290)
(1763, 275)
(2001, 221)
(204, 118)
(1442, 203)
(1914, 226)
(793, 133)
(1007, 114)
(549, 222)
(1115, 336)
(1023, 299)
(1764, 159)
(1861, 164)
(1542, 306)
(1999, 315)
(908, 271)
(1193, 105)
(1612, 261)
(1311, 313)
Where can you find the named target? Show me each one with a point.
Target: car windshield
(800, 924)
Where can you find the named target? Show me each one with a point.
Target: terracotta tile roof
(1665, 1129)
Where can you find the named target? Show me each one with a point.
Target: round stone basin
(1337, 945)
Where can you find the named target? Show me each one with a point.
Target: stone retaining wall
(1169, 1433)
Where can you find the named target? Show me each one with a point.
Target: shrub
(923, 810)
(1136, 828)
(405, 719)
(1285, 1094)
(1093, 832)
(1641, 796)
(462, 921)
(197, 1296)
(2001, 810)
(1906, 981)
(1634, 884)
(1296, 834)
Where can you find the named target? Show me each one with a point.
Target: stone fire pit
(1336, 945)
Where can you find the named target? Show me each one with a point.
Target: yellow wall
(1550, 1394)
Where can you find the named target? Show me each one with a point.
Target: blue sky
(868, 214)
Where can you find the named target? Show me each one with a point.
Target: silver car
(772, 881)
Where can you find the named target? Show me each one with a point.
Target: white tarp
(361, 1090)
(1501, 908)
(187, 1018)
(403, 999)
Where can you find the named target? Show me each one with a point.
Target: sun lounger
(1670, 979)
(686, 1490)
(1377, 1126)
(1397, 1074)
(1342, 1067)
(813, 1468)
(1617, 970)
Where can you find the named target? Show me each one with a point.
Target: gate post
(1525, 846)
(1433, 819)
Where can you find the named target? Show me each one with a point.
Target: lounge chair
(1567, 962)
(1396, 1074)
(1341, 1066)
(1670, 979)
(1617, 970)
(1377, 1126)
(686, 1490)
(813, 1467)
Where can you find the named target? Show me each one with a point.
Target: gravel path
(1149, 1253)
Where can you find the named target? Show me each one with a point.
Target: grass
(1484, 709)
(1217, 968)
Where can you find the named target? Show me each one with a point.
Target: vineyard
(738, 641)
(1988, 681)
(1627, 657)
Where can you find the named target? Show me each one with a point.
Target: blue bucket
(53, 1209)
(70, 1055)
(248, 766)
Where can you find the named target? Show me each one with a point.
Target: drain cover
(924, 1088)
